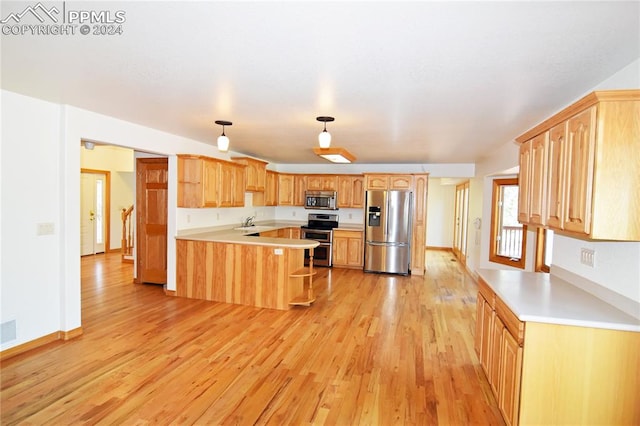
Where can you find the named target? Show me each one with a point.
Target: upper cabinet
(209, 182)
(350, 191)
(389, 181)
(579, 169)
(286, 189)
(299, 187)
(198, 179)
(322, 182)
(255, 173)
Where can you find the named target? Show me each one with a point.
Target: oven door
(321, 255)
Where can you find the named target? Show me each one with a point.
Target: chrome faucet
(248, 221)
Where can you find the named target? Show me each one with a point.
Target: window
(508, 236)
(544, 248)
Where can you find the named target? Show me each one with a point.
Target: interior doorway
(461, 225)
(95, 187)
(151, 220)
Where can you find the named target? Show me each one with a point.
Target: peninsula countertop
(231, 235)
(545, 298)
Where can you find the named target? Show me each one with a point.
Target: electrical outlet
(293, 214)
(350, 216)
(278, 252)
(188, 218)
(587, 257)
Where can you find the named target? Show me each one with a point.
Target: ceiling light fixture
(324, 138)
(335, 155)
(223, 140)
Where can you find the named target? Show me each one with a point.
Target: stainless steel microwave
(321, 200)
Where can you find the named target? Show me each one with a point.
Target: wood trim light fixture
(324, 138)
(223, 140)
(335, 155)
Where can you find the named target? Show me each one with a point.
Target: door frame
(107, 203)
(461, 222)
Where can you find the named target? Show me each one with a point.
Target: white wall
(440, 213)
(31, 178)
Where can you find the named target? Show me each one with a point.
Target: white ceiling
(408, 82)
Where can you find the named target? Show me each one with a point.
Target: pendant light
(324, 138)
(223, 140)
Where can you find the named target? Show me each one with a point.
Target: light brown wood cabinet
(271, 189)
(389, 181)
(348, 249)
(209, 182)
(197, 182)
(231, 186)
(350, 191)
(543, 373)
(255, 173)
(584, 181)
(322, 182)
(299, 187)
(286, 189)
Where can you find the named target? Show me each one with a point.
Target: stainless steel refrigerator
(388, 232)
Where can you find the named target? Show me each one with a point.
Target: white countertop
(229, 235)
(540, 297)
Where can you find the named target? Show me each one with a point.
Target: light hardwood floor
(372, 349)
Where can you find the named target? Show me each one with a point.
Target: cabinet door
(340, 249)
(295, 233)
(299, 187)
(354, 251)
(271, 188)
(580, 159)
(377, 182)
(330, 183)
(345, 183)
(555, 176)
(497, 328)
(190, 184)
(314, 182)
(538, 179)
(357, 192)
(404, 182)
(524, 178)
(477, 341)
(485, 346)
(238, 186)
(210, 181)
(285, 190)
(226, 193)
(510, 375)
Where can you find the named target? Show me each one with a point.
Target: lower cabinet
(347, 249)
(543, 373)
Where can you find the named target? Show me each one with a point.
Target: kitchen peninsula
(241, 267)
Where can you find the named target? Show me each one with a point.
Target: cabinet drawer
(487, 293)
(511, 321)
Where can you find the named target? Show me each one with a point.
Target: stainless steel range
(320, 228)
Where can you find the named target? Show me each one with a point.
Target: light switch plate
(45, 229)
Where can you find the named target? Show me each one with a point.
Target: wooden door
(461, 222)
(580, 162)
(555, 176)
(151, 230)
(419, 232)
(94, 211)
